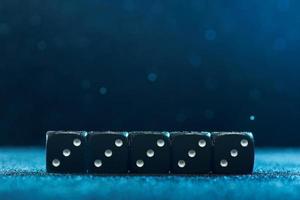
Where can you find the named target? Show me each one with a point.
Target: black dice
(108, 152)
(150, 152)
(191, 152)
(65, 151)
(233, 152)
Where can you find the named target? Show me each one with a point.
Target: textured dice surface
(233, 152)
(150, 152)
(65, 151)
(108, 152)
(191, 152)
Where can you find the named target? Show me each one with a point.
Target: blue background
(149, 65)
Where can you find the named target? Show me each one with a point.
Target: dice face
(108, 152)
(233, 153)
(65, 151)
(149, 152)
(191, 153)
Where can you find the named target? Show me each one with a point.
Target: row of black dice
(149, 152)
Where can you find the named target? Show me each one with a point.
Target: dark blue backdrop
(150, 65)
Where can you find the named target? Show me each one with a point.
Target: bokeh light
(103, 90)
(210, 34)
(150, 65)
(152, 77)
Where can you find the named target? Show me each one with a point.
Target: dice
(149, 152)
(191, 152)
(233, 152)
(107, 152)
(65, 151)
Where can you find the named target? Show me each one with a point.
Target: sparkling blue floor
(23, 176)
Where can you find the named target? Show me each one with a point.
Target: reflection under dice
(191, 152)
(150, 152)
(65, 151)
(233, 152)
(108, 152)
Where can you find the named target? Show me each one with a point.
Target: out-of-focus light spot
(35, 20)
(85, 84)
(194, 60)
(4, 29)
(210, 34)
(279, 44)
(252, 117)
(42, 45)
(209, 114)
(103, 90)
(181, 117)
(283, 5)
(152, 77)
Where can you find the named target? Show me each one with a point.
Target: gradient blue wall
(150, 65)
